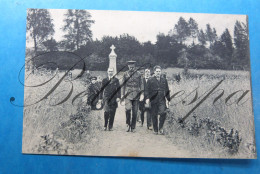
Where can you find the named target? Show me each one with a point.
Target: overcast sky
(145, 25)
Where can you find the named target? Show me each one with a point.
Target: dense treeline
(185, 45)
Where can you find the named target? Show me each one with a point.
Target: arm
(141, 83)
(167, 91)
(102, 90)
(88, 93)
(124, 86)
(147, 91)
(118, 89)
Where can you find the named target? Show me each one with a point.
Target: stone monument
(112, 59)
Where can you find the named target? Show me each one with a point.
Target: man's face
(147, 73)
(110, 72)
(131, 67)
(157, 72)
(93, 81)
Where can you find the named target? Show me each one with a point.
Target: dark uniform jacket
(110, 91)
(93, 94)
(157, 90)
(132, 85)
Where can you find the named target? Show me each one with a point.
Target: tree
(77, 25)
(51, 45)
(228, 45)
(148, 48)
(182, 30)
(103, 47)
(193, 26)
(241, 42)
(167, 50)
(211, 34)
(88, 49)
(224, 49)
(128, 45)
(202, 37)
(39, 26)
(214, 34)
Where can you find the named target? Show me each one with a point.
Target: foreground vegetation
(217, 128)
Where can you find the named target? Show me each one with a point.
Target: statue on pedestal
(112, 59)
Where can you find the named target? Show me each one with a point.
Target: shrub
(212, 132)
(229, 140)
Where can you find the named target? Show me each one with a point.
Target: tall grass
(233, 117)
(49, 129)
(44, 118)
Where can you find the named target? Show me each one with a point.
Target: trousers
(131, 105)
(148, 117)
(158, 109)
(109, 115)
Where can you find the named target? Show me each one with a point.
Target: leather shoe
(128, 128)
(161, 132)
(133, 130)
(156, 133)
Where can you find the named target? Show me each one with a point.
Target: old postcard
(137, 84)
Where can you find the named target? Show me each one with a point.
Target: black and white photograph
(137, 84)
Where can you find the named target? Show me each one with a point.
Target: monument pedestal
(112, 59)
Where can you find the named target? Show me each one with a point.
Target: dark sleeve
(101, 92)
(118, 89)
(89, 94)
(141, 82)
(142, 88)
(148, 89)
(123, 83)
(88, 91)
(167, 91)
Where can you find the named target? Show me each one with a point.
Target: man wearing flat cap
(93, 93)
(132, 87)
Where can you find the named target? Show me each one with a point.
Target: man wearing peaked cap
(93, 78)
(131, 62)
(132, 86)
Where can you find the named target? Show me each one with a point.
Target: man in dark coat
(93, 93)
(157, 92)
(142, 106)
(110, 94)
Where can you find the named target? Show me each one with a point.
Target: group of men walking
(149, 93)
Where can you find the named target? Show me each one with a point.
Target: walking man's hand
(142, 97)
(168, 104)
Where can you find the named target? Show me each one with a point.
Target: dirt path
(141, 143)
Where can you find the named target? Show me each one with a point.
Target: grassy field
(212, 127)
(44, 122)
(45, 127)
